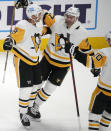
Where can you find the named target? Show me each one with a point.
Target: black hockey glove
(69, 47)
(8, 43)
(21, 4)
(95, 72)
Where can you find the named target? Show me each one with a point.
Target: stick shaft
(12, 20)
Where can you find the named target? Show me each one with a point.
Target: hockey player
(100, 103)
(24, 43)
(56, 62)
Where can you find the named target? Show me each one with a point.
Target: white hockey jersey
(101, 59)
(104, 81)
(55, 52)
(27, 37)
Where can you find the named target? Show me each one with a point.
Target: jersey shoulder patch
(48, 19)
(98, 56)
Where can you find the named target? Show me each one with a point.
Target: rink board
(1, 45)
(98, 42)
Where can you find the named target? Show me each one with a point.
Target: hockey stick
(13, 14)
(75, 92)
(74, 86)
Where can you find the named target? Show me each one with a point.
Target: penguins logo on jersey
(59, 42)
(36, 41)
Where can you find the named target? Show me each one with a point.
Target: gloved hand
(21, 4)
(69, 47)
(8, 43)
(95, 72)
(72, 50)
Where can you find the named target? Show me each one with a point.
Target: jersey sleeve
(48, 19)
(80, 56)
(18, 32)
(86, 47)
(96, 61)
(46, 32)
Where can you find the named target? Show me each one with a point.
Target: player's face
(70, 20)
(37, 18)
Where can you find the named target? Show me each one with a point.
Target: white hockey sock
(45, 93)
(24, 96)
(94, 122)
(105, 121)
(35, 90)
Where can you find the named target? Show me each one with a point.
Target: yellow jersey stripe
(33, 96)
(54, 63)
(28, 61)
(65, 58)
(16, 62)
(103, 83)
(96, 91)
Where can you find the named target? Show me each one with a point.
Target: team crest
(59, 42)
(36, 41)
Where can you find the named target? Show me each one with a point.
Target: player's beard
(68, 23)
